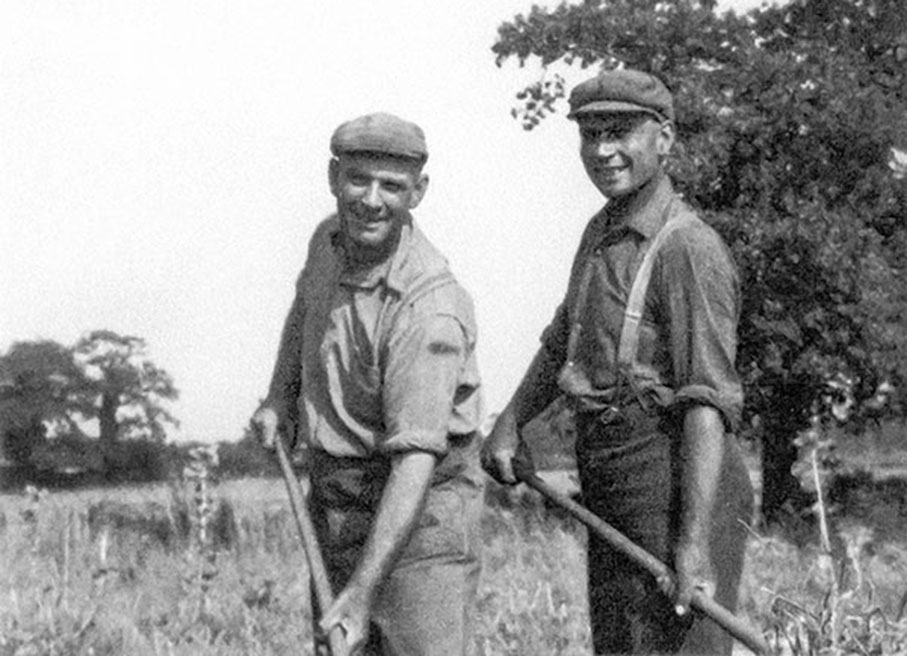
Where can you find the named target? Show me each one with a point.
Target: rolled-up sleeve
(425, 358)
(703, 299)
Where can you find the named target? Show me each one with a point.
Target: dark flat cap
(622, 90)
(380, 133)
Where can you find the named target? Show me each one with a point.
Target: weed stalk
(198, 472)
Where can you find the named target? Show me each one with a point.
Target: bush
(136, 461)
(245, 458)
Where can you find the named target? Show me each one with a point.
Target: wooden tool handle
(317, 570)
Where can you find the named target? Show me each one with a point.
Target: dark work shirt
(688, 333)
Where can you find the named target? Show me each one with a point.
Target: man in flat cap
(643, 348)
(376, 379)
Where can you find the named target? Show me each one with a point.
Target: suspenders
(629, 332)
(571, 379)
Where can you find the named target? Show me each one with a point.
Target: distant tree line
(96, 407)
(95, 413)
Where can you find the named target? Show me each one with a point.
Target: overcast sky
(163, 163)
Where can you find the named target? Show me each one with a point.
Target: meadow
(161, 569)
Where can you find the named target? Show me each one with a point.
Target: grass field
(73, 584)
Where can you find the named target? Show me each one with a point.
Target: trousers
(425, 606)
(630, 477)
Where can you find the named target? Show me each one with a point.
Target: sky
(163, 164)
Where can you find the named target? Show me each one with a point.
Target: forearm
(401, 504)
(537, 390)
(702, 453)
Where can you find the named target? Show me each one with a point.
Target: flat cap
(380, 133)
(621, 90)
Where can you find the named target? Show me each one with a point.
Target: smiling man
(643, 348)
(377, 382)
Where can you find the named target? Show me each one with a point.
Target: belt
(613, 411)
(584, 399)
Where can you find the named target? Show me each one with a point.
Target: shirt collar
(645, 213)
(387, 271)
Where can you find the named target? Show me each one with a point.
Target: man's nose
(606, 148)
(372, 196)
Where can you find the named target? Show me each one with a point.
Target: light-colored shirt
(382, 360)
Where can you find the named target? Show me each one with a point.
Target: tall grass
(74, 585)
(74, 588)
(532, 596)
(843, 590)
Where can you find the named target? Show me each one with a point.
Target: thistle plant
(198, 475)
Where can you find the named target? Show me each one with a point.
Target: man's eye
(591, 135)
(606, 134)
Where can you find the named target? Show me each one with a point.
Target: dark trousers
(630, 475)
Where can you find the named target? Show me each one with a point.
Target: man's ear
(333, 174)
(665, 139)
(419, 190)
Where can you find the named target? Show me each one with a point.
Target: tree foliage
(50, 394)
(36, 379)
(792, 124)
(124, 387)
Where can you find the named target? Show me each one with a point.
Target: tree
(104, 376)
(792, 125)
(124, 387)
(38, 379)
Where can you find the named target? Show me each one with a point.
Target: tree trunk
(778, 483)
(781, 426)
(110, 403)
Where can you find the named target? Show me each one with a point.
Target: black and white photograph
(503, 328)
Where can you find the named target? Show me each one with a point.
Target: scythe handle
(317, 570)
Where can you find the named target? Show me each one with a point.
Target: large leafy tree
(105, 377)
(125, 388)
(792, 124)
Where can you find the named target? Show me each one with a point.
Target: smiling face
(622, 151)
(374, 195)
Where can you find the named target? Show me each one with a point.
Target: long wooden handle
(317, 570)
(734, 625)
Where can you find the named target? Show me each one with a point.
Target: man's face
(374, 194)
(623, 151)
